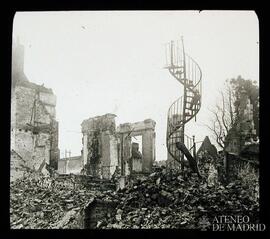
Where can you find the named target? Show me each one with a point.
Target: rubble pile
(42, 202)
(161, 200)
(167, 200)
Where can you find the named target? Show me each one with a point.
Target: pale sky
(102, 62)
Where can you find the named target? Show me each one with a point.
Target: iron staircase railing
(187, 72)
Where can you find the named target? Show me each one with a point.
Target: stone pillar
(100, 145)
(54, 150)
(113, 154)
(126, 154)
(148, 150)
(105, 155)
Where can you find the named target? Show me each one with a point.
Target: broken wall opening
(144, 129)
(96, 211)
(138, 140)
(136, 154)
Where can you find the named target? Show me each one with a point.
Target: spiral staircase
(187, 72)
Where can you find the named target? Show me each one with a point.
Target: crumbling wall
(41, 151)
(146, 129)
(49, 101)
(105, 148)
(54, 139)
(16, 166)
(246, 170)
(114, 153)
(34, 130)
(24, 143)
(33, 148)
(100, 155)
(95, 212)
(148, 152)
(136, 160)
(93, 166)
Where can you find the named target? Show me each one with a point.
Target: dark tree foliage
(228, 113)
(246, 88)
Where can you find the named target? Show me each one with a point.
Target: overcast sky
(112, 62)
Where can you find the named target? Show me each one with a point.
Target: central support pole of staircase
(184, 103)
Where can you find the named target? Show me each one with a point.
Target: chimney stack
(18, 61)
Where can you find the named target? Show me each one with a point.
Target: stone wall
(146, 129)
(105, 148)
(100, 146)
(148, 150)
(114, 153)
(40, 145)
(54, 139)
(136, 160)
(16, 166)
(34, 130)
(24, 98)
(244, 169)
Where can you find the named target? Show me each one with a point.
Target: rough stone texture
(146, 129)
(16, 169)
(54, 150)
(105, 159)
(100, 150)
(137, 127)
(245, 169)
(95, 212)
(34, 130)
(148, 141)
(104, 148)
(39, 144)
(114, 152)
(136, 160)
(101, 123)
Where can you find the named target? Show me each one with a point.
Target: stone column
(126, 153)
(148, 152)
(113, 154)
(105, 154)
(98, 147)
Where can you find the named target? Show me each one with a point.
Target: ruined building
(130, 161)
(107, 148)
(34, 129)
(100, 146)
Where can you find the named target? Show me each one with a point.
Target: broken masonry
(107, 148)
(34, 129)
